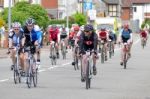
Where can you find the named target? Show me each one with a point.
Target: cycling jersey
(143, 34)
(88, 43)
(126, 35)
(16, 39)
(32, 36)
(53, 34)
(103, 35)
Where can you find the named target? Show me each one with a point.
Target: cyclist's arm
(81, 42)
(10, 39)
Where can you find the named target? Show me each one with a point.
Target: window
(134, 9)
(112, 10)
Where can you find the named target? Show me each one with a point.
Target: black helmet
(30, 21)
(88, 27)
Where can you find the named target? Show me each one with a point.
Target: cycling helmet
(76, 28)
(30, 21)
(88, 27)
(37, 28)
(82, 28)
(16, 25)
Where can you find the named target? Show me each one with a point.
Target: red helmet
(76, 28)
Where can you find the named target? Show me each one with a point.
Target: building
(135, 12)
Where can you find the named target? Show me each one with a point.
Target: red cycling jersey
(103, 35)
(53, 34)
(143, 34)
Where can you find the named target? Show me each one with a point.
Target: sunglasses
(16, 29)
(86, 31)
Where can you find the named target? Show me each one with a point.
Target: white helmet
(37, 28)
(16, 25)
(82, 28)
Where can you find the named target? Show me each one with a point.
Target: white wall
(141, 9)
(139, 14)
(147, 8)
(6, 3)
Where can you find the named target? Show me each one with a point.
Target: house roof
(140, 1)
(111, 1)
(128, 3)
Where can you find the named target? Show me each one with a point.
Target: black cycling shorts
(124, 39)
(63, 36)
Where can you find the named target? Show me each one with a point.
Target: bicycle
(32, 71)
(89, 68)
(76, 58)
(125, 54)
(102, 51)
(143, 42)
(63, 48)
(111, 49)
(99, 46)
(53, 53)
(17, 71)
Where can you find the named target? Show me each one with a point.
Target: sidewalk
(3, 53)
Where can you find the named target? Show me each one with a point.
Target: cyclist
(112, 37)
(103, 36)
(63, 35)
(16, 39)
(125, 37)
(143, 35)
(53, 36)
(88, 41)
(72, 38)
(32, 39)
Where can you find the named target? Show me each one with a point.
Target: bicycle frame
(88, 65)
(125, 54)
(63, 47)
(53, 53)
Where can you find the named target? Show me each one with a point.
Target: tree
(80, 18)
(23, 10)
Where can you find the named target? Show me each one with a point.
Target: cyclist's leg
(12, 56)
(21, 55)
(94, 63)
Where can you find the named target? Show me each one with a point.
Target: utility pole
(9, 16)
(67, 18)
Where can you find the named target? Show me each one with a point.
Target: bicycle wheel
(35, 77)
(17, 76)
(64, 52)
(102, 55)
(88, 80)
(110, 50)
(76, 63)
(29, 76)
(125, 61)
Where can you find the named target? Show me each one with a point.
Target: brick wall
(125, 15)
(49, 4)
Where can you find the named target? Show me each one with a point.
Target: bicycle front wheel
(88, 80)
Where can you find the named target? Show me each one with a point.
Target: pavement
(61, 81)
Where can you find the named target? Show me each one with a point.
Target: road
(63, 82)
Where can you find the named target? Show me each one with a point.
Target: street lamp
(9, 16)
(67, 18)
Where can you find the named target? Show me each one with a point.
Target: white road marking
(3, 80)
